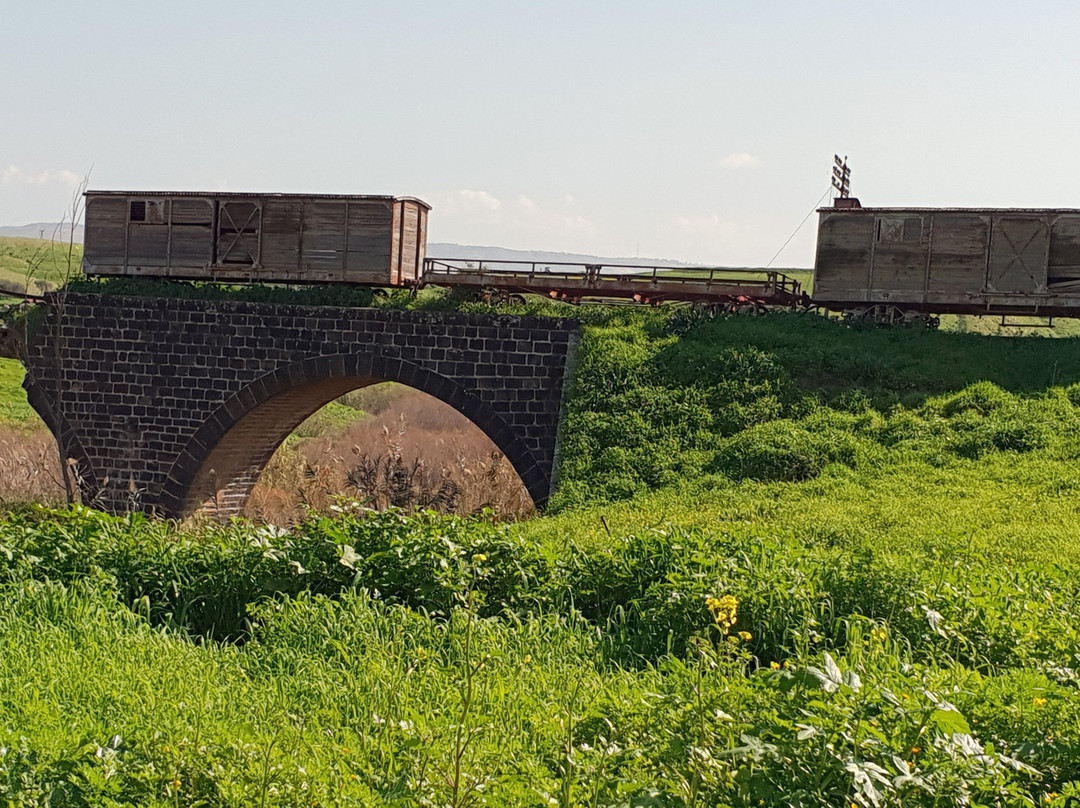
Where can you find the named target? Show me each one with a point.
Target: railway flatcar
(239, 238)
(889, 263)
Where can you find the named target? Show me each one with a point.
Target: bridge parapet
(169, 404)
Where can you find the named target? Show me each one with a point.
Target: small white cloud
(476, 200)
(525, 203)
(740, 160)
(13, 175)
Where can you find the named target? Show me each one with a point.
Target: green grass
(587, 669)
(32, 265)
(14, 409)
(894, 513)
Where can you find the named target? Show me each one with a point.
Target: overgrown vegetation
(330, 295)
(707, 665)
(661, 399)
(791, 564)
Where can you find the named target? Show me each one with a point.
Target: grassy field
(33, 265)
(14, 411)
(790, 563)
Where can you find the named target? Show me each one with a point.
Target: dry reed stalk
(29, 469)
(422, 455)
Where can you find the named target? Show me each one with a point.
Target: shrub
(783, 451)
(981, 397)
(1072, 392)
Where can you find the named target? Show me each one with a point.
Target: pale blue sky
(700, 131)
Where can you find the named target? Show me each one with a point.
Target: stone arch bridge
(170, 404)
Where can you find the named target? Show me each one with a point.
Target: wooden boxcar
(949, 260)
(280, 238)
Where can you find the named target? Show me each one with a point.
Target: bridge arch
(222, 460)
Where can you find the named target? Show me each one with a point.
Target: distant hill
(42, 230)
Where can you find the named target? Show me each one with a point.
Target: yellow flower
(915, 750)
(879, 633)
(1050, 796)
(479, 558)
(1038, 701)
(774, 665)
(723, 611)
(745, 636)
(176, 783)
(526, 659)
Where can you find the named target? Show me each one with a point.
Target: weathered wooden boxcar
(285, 238)
(949, 260)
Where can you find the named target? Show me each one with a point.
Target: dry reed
(29, 470)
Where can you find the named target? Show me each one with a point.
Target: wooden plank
(393, 268)
(844, 253)
(1064, 257)
(898, 267)
(192, 211)
(410, 232)
(421, 242)
(147, 245)
(369, 244)
(105, 235)
(192, 245)
(281, 235)
(958, 256)
(323, 236)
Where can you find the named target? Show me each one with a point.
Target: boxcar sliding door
(1019, 249)
(238, 225)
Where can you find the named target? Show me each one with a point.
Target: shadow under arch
(222, 461)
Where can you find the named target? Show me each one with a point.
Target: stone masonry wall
(140, 392)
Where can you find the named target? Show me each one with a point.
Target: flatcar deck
(577, 282)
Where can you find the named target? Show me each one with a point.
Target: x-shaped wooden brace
(1017, 253)
(239, 231)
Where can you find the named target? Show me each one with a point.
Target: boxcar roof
(256, 195)
(864, 210)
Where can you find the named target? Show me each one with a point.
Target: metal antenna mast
(841, 176)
